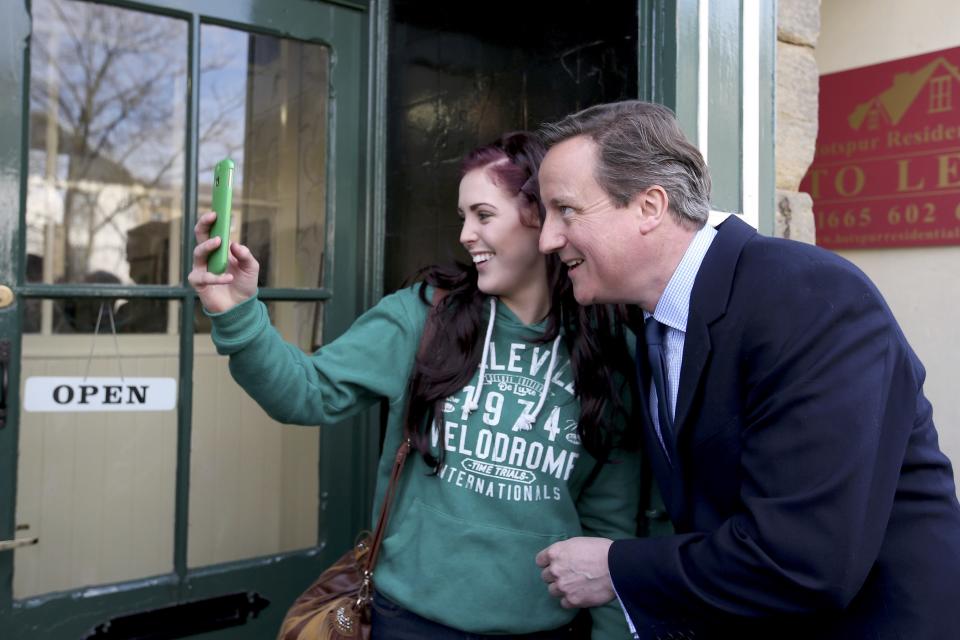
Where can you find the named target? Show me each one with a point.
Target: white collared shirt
(673, 309)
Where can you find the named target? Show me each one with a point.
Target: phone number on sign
(926, 222)
(897, 215)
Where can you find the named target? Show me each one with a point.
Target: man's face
(583, 226)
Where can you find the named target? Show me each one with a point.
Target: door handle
(16, 543)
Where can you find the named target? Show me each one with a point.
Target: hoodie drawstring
(526, 422)
(474, 402)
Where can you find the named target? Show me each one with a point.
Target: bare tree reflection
(108, 105)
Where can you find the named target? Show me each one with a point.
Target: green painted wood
(308, 20)
(668, 71)
(377, 48)
(305, 295)
(657, 51)
(725, 133)
(14, 69)
(367, 444)
(343, 473)
(154, 291)
(669, 74)
(353, 282)
(73, 614)
(767, 93)
(181, 520)
(686, 66)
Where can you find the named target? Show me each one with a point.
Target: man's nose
(551, 237)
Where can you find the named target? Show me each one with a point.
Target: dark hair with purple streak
(453, 341)
(513, 162)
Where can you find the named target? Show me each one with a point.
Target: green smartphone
(222, 199)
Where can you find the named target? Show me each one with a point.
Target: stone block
(798, 89)
(798, 21)
(794, 219)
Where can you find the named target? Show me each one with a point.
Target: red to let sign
(886, 172)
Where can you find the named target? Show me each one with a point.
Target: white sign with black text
(49, 393)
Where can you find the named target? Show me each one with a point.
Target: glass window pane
(107, 117)
(263, 103)
(89, 315)
(97, 488)
(253, 481)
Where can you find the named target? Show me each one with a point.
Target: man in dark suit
(785, 417)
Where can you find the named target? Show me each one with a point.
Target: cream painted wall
(922, 286)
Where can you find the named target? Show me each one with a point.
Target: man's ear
(651, 207)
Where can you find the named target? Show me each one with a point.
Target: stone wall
(797, 77)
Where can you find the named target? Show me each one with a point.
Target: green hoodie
(460, 547)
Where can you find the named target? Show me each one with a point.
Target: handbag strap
(402, 451)
(378, 533)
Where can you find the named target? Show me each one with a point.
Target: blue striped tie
(655, 334)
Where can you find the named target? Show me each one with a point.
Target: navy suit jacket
(807, 489)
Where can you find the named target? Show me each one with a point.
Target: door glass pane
(97, 487)
(107, 117)
(263, 103)
(79, 315)
(253, 482)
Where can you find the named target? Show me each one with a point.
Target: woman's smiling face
(497, 233)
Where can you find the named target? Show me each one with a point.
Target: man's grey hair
(640, 144)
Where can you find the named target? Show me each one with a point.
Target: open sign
(60, 394)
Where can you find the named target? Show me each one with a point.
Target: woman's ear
(529, 212)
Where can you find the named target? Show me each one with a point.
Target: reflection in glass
(93, 315)
(107, 117)
(263, 103)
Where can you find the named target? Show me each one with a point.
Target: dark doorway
(459, 76)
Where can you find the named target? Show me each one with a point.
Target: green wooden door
(712, 62)
(140, 490)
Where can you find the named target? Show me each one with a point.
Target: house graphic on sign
(935, 88)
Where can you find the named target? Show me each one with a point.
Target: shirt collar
(674, 305)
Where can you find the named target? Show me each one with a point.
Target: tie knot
(654, 331)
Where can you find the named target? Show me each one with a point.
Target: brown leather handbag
(337, 605)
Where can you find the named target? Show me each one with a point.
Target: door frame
(355, 31)
(714, 64)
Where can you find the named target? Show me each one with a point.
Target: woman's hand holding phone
(219, 293)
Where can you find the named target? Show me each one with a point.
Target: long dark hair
(451, 348)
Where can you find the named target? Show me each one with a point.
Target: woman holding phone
(514, 401)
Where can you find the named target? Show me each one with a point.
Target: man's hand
(575, 571)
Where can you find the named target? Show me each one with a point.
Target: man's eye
(565, 210)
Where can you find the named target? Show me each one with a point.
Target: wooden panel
(254, 482)
(96, 488)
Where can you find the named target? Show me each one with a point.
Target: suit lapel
(696, 350)
(708, 302)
